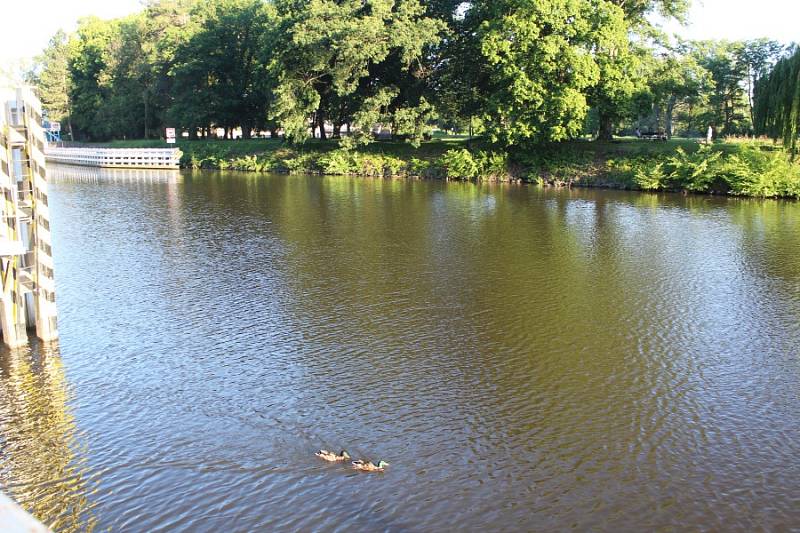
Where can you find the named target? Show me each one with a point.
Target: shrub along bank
(737, 168)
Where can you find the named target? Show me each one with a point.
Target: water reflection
(42, 455)
(525, 358)
(119, 175)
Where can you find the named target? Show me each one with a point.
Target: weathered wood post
(26, 263)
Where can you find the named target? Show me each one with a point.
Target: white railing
(116, 157)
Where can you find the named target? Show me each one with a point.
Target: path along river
(526, 359)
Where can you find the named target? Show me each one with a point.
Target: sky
(29, 24)
(709, 19)
(742, 19)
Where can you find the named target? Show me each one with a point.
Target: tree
(677, 79)
(636, 11)
(89, 60)
(218, 73)
(620, 75)
(621, 72)
(542, 58)
(758, 56)
(777, 108)
(459, 79)
(727, 99)
(329, 50)
(53, 80)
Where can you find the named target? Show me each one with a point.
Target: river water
(526, 359)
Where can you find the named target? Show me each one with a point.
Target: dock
(145, 158)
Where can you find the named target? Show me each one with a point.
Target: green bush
(492, 165)
(749, 169)
(459, 164)
(754, 172)
(696, 171)
(302, 162)
(650, 175)
(420, 168)
(394, 166)
(337, 162)
(745, 170)
(370, 165)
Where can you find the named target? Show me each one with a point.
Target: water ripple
(525, 359)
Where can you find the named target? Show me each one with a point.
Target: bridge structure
(27, 285)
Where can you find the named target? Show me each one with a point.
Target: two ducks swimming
(364, 466)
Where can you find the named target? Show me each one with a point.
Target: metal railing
(116, 157)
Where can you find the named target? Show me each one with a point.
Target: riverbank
(743, 168)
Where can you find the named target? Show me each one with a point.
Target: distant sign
(171, 135)
(55, 127)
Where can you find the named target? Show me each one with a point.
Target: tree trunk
(606, 132)
(146, 115)
(321, 123)
(69, 126)
(247, 132)
(752, 81)
(668, 116)
(728, 118)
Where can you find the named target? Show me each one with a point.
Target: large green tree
(677, 79)
(623, 73)
(330, 49)
(219, 75)
(757, 56)
(89, 64)
(542, 58)
(54, 81)
(727, 102)
(459, 79)
(777, 109)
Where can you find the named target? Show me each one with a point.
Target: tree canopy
(517, 71)
(778, 102)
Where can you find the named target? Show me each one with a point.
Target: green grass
(742, 167)
(225, 153)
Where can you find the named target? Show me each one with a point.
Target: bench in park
(653, 136)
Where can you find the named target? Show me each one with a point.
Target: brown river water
(526, 359)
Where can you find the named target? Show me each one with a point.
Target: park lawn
(428, 150)
(741, 167)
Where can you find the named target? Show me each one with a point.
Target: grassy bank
(748, 168)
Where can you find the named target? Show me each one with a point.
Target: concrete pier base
(27, 286)
(14, 519)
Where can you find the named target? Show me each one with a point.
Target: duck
(331, 457)
(369, 466)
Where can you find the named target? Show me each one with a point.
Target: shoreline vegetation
(737, 167)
